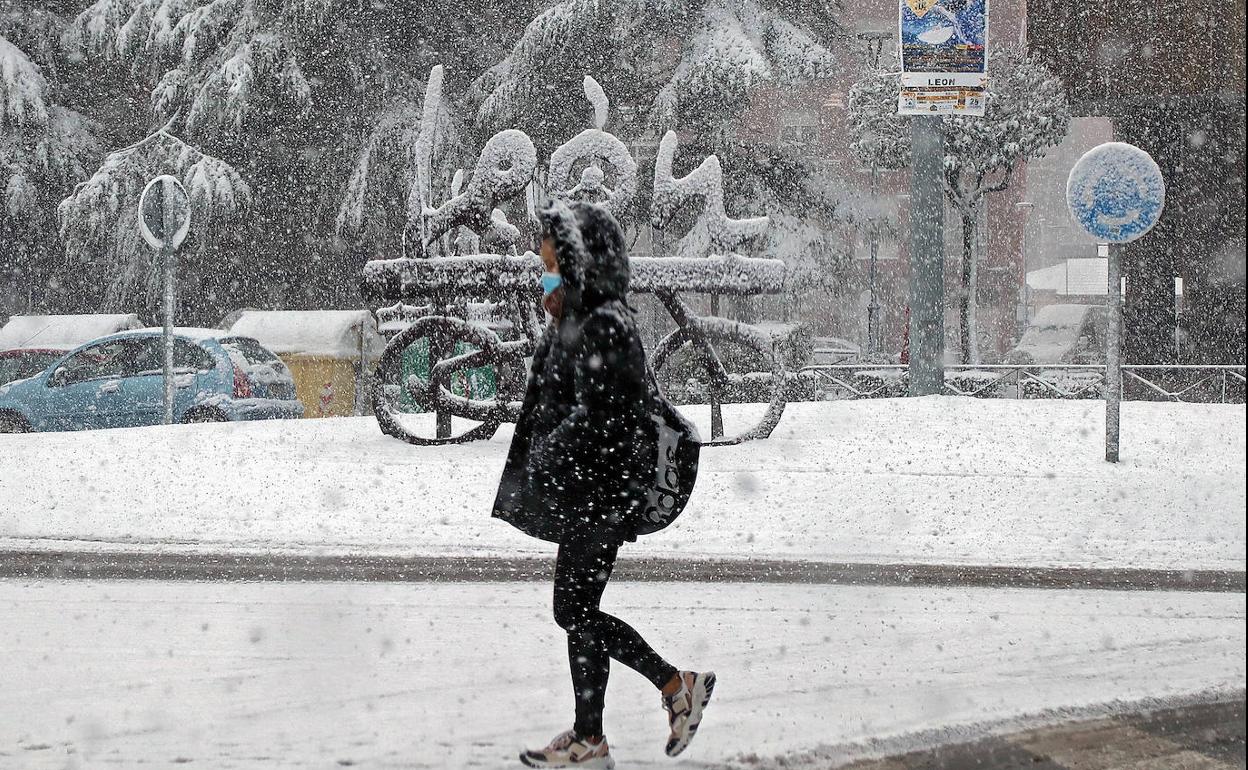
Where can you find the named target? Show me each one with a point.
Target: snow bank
(328, 333)
(931, 480)
(62, 332)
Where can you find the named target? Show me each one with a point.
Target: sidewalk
(1199, 737)
(908, 481)
(454, 676)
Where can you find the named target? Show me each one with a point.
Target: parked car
(835, 350)
(1063, 334)
(117, 382)
(25, 362)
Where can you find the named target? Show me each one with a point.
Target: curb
(420, 569)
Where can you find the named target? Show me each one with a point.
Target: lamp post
(1025, 294)
(874, 41)
(873, 305)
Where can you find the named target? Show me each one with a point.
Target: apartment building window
(800, 129)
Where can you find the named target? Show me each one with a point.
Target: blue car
(117, 382)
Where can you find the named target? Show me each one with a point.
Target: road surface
(154, 674)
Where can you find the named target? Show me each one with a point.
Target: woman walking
(578, 472)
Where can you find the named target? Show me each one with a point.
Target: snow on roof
(62, 332)
(1047, 278)
(193, 333)
(1081, 277)
(330, 333)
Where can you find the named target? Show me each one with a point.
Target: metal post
(717, 409)
(1025, 289)
(875, 47)
(440, 348)
(1026, 286)
(873, 305)
(927, 258)
(1113, 358)
(167, 257)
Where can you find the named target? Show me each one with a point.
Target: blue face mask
(550, 282)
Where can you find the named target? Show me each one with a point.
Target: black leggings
(582, 569)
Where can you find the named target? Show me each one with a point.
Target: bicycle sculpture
(470, 311)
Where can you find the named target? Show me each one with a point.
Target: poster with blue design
(944, 56)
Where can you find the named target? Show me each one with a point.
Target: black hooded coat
(581, 453)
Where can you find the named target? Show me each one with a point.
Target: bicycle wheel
(436, 383)
(702, 343)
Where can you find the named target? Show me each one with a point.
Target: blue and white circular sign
(1116, 192)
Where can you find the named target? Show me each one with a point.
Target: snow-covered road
(325, 675)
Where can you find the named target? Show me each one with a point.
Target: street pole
(1116, 192)
(717, 409)
(164, 220)
(875, 47)
(873, 306)
(927, 258)
(1025, 289)
(167, 257)
(1113, 355)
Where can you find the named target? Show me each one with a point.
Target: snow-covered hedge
(487, 276)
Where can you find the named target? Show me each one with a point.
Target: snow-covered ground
(932, 480)
(446, 676)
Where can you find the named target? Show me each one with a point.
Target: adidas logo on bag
(661, 499)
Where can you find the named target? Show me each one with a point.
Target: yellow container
(325, 350)
(327, 387)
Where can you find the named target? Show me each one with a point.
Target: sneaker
(568, 750)
(684, 708)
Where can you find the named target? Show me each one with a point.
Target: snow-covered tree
(45, 147)
(214, 63)
(1026, 112)
(684, 65)
(287, 92)
(396, 176)
(221, 65)
(99, 221)
(668, 65)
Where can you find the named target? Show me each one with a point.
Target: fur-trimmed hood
(592, 254)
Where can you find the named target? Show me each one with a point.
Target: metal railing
(1141, 382)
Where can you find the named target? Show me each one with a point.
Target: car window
(29, 366)
(110, 359)
(251, 351)
(150, 359)
(186, 355)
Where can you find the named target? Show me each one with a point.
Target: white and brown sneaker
(570, 750)
(685, 706)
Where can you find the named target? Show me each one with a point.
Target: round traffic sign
(164, 213)
(1116, 192)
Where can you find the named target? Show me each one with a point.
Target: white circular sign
(164, 213)
(1116, 192)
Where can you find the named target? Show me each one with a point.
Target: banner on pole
(944, 56)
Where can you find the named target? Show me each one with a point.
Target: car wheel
(203, 415)
(13, 423)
